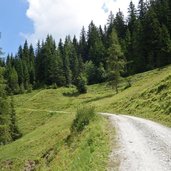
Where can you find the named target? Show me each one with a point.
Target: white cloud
(63, 17)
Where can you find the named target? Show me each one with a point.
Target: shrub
(128, 83)
(53, 86)
(81, 85)
(161, 88)
(83, 117)
(5, 136)
(30, 88)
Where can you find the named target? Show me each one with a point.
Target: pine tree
(25, 53)
(96, 49)
(83, 45)
(116, 62)
(5, 136)
(152, 32)
(15, 134)
(74, 65)
(32, 65)
(164, 53)
(20, 71)
(132, 17)
(56, 74)
(110, 24)
(38, 64)
(12, 80)
(66, 61)
(142, 9)
(81, 84)
(134, 29)
(26, 75)
(120, 25)
(20, 52)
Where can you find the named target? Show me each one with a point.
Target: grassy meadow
(45, 116)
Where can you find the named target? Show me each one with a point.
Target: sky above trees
(34, 19)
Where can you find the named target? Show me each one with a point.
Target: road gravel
(143, 145)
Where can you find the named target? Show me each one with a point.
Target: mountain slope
(44, 117)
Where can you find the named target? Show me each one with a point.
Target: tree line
(123, 47)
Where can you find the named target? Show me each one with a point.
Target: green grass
(149, 97)
(46, 147)
(45, 126)
(88, 151)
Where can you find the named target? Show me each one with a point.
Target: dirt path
(144, 145)
(41, 110)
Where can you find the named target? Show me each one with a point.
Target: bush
(22, 90)
(83, 117)
(53, 86)
(5, 136)
(81, 85)
(128, 84)
(161, 88)
(30, 88)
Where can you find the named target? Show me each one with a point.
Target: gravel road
(143, 145)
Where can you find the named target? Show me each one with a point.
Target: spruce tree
(32, 65)
(115, 61)
(81, 84)
(142, 9)
(12, 80)
(5, 135)
(83, 45)
(66, 61)
(96, 49)
(15, 134)
(120, 25)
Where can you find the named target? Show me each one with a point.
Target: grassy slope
(46, 147)
(45, 128)
(149, 97)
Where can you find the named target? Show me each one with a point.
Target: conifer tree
(142, 9)
(110, 24)
(116, 62)
(26, 75)
(32, 65)
(119, 25)
(96, 49)
(81, 84)
(12, 81)
(15, 134)
(66, 61)
(25, 53)
(20, 71)
(83, 45)
(5, 135)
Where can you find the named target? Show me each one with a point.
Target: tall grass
(83, 117)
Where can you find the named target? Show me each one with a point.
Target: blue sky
(13, 22)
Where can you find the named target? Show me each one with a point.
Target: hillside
(45, 116)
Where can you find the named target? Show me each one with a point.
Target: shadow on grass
(99, 98)
(71, 94)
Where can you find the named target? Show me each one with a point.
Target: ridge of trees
(122, 48)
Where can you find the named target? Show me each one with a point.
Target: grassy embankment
(149, 96)
(45, 128)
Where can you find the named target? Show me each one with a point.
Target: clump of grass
(161, 87)
(83, 117)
